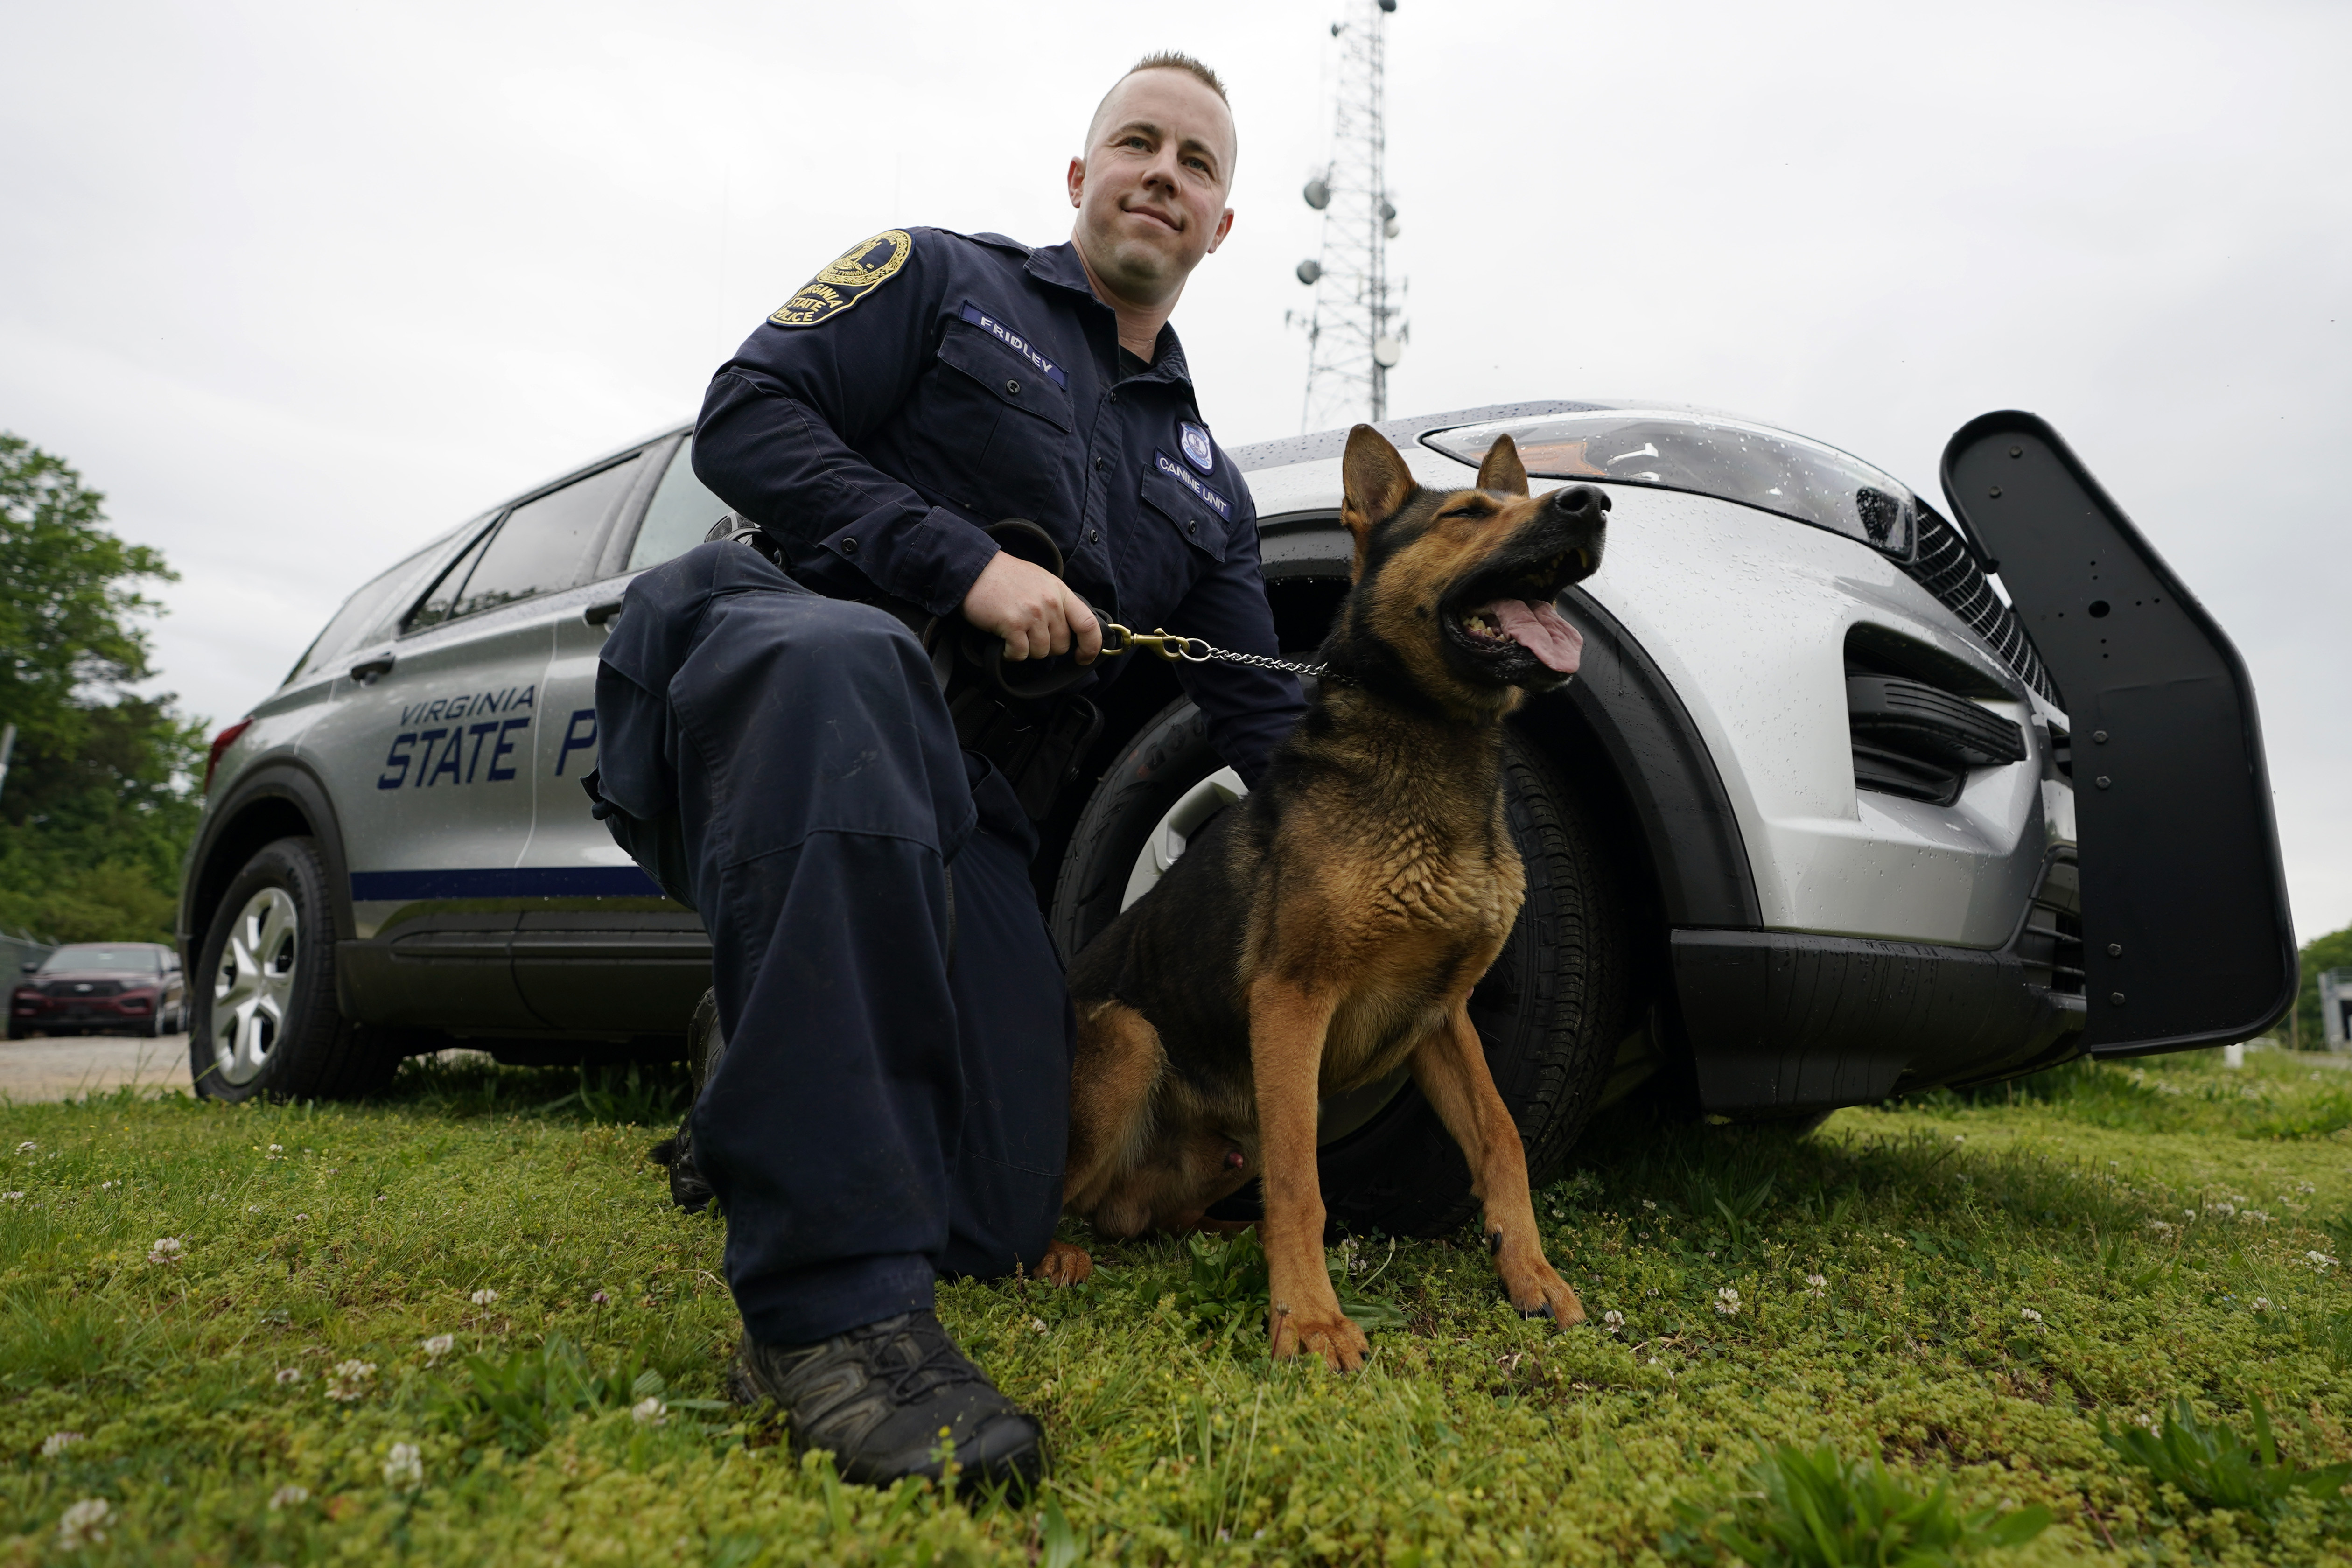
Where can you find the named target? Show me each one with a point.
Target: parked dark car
(101, 988)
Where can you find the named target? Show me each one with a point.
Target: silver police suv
(1826, 818)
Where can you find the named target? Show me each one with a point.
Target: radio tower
(1353, 334)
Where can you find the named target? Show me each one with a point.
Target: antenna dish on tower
(1319, 193)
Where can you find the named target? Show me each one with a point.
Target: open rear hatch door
(2186, 936)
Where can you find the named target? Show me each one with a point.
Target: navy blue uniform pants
(894, 1101)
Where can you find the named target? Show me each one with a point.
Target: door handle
(598, 614)
(367, 670)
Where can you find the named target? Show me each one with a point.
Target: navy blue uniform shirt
(928, 383)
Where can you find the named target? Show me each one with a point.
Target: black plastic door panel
(2186, 936)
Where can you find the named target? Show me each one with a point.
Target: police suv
(1823, 819)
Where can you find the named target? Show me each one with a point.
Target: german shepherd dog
(1329, 927)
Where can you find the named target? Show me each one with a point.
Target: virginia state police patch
(857, 272)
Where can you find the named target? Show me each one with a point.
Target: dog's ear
(1375, 483)
(1502, 472)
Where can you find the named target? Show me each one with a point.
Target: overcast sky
(299, 286)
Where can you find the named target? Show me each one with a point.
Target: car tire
(15, 1030)
(263, 1017)
(1551, 1011)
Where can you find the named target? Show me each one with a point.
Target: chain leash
(1199, 650)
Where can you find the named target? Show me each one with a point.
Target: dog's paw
(1540, 1292)
(1064, 1264)
(1326, 1333)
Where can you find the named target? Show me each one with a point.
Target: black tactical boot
(889, 1398)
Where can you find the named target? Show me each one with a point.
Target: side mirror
(28, 968)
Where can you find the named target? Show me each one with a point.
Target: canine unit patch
(1196, 447)
(856, 273)
(1208, 497)
(1016, 342)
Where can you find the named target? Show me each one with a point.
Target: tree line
(102, 789)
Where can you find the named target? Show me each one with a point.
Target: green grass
(2002, 1278)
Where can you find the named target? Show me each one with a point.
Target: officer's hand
(1034, 612)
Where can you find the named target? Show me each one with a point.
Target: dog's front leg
(1287, 1028)
(1451, 1069)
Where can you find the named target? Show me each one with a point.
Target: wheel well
(1554, 726)
(258, 822)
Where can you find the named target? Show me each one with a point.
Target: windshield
(1709, 456)
(118, 959)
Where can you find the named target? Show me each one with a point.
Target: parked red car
(101, 988)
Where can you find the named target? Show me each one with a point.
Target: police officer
(893, 1101)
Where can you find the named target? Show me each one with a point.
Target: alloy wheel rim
(254, 984)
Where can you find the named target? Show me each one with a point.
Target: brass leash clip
(1166, 644)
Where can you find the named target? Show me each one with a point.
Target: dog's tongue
(1538, 627)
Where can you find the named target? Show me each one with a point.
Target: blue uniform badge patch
(1194, 441)
(1016, 342)
(1208, 497)
(849, 277)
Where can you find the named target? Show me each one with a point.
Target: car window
(434, 609)
(540, 547)
(365, 612)
(681, 513)
(543, 543)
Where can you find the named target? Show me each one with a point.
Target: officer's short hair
(1173, 61)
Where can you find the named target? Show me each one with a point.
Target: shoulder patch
(849, 277)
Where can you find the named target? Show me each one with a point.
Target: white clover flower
(350, 1379)
(436, 1347)
(599, 1298)
(2262, 1303)
(11, 1197)
(1817, 1284)
(84, 1524)
(2255, 1216)
(277, 1150)
(483, 1297)
(2306, 1188)
(649, 1412)
(2224, 1210)
(1726, 1302)
(288, 1495)
(102, 1187)
(56, 1443)
(1038, 1324)
(1612, 1322)
(404, 1467)
(2029, 1315)
(301, 1216)
(26, 1147)
(2162, 1227)
(2319, 1260)
(1648, 1205)
(287, 1375)
(253, 1208)
(167, 1249)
